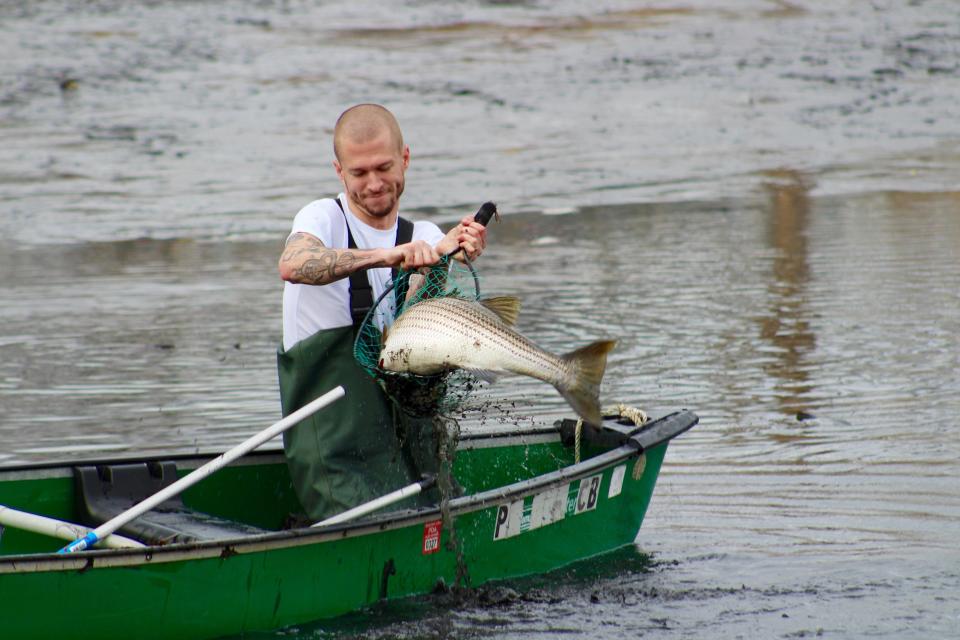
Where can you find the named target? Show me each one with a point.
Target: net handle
(483, 215)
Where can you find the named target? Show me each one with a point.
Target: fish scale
(470, 324)
(437, 335)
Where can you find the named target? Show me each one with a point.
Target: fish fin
(587, 365)
(507, 308)
(484, 374)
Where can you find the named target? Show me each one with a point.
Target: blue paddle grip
(80, 544)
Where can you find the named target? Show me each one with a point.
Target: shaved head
(365, 122)
(371, 161)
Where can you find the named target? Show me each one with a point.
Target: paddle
(54, 528)
(378, 503)
(202, 472)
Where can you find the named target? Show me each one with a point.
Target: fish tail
(586, 366)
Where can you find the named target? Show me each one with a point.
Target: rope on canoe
(576, 441)
(634, 414)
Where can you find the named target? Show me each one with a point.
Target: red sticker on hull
(431, 536)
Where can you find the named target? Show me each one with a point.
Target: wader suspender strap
(361, 293)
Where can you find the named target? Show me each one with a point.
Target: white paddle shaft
(54, 528)
(373, 505)
(203, 471)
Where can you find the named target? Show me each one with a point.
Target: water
(757, 199)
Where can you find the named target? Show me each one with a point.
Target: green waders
(356, 449)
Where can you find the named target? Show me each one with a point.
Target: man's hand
(412, 255)
(469, 235)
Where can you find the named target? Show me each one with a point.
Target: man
(336, 262)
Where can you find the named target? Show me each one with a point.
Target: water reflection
(786, 325)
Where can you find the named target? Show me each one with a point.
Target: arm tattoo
(317, 263)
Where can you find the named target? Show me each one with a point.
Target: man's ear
(338, 169)
(406, 157)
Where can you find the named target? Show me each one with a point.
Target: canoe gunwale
(647, 437)
(650, 435)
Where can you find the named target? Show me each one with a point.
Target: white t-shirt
(310, 308)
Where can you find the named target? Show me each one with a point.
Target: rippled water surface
(757, 199)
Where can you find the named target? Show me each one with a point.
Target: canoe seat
(105, 491)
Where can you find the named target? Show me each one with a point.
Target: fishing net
(418, 396)
(434, 397)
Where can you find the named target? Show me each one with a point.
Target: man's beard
(392, 200)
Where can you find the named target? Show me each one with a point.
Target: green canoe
(237, 565)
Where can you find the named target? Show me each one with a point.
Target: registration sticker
(616, 481)
(588, 494)
(431, 536)
(510, 520)
(547, 507)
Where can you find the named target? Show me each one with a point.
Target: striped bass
(441, 334)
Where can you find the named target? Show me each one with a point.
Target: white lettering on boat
(547, 507)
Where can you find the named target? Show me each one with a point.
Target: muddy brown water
(757, 199)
